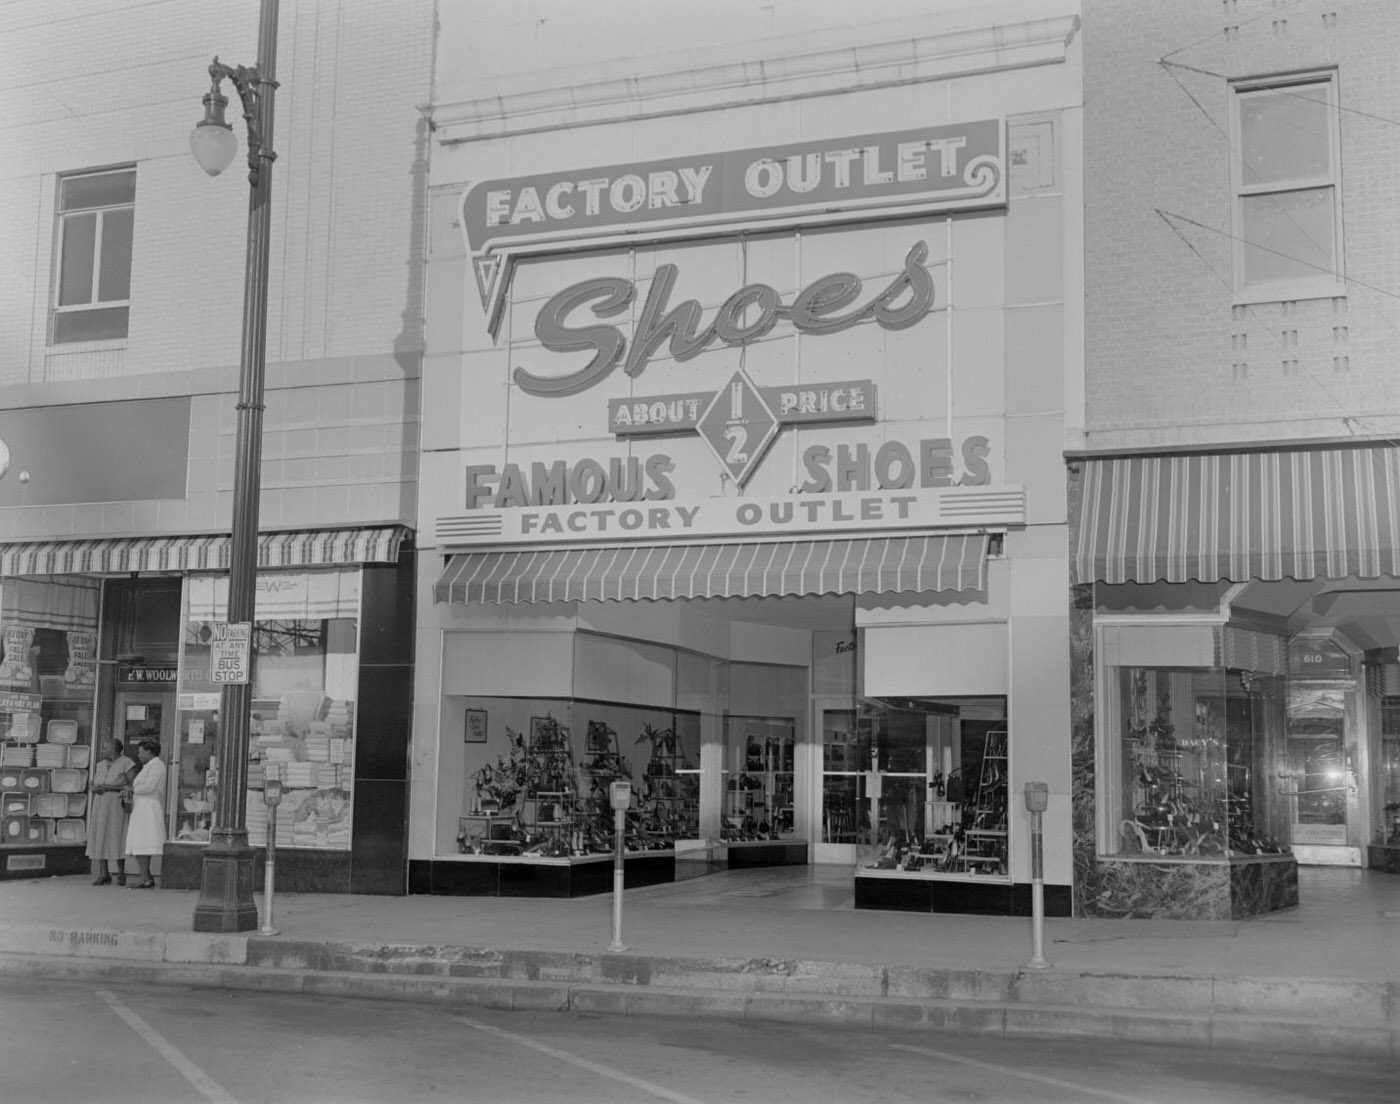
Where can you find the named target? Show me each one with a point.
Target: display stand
(984, 817)
(670, 800)
(603, 766)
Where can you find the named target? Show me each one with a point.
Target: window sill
(1275, 293)
(106, 345)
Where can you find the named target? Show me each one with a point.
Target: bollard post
(272, 797)
(620, 797)
(1037, 798)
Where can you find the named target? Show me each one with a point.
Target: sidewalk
(781, 944)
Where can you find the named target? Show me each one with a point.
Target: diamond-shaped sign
(738, 425)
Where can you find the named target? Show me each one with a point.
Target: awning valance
(874, 565)
(1273, 514)
(120, 555)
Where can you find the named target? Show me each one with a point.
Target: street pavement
(770, 945)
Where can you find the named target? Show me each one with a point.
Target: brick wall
(1171, 358)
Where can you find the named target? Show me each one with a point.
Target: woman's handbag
(126, 799)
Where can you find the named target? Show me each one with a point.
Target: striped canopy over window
(875, 565)
(1324, 513)
(118, 555)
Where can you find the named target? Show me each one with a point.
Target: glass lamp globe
(213, 146)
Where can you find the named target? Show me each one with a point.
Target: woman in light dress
(106, 845)
(145, 833)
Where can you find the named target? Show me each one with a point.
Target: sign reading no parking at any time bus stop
(229, 651)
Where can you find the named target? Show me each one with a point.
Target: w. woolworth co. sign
(925, 170)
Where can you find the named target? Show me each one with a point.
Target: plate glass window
(1287, 196)
(93, 288)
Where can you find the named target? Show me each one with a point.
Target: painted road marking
(210, 1088)
(595, 1067)
(1007, 1071)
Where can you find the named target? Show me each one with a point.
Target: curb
(1228, 1030)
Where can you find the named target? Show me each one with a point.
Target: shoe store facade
(742, 469)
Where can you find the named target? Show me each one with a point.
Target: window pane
(89, 325)
(114, 279)
(98, 190)
(1288, 236)
(1284, 135)
(75, 265)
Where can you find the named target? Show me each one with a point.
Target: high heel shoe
(105, 879)
(121, 879)
(149, 883)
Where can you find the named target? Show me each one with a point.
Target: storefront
(1235, 675)
(112, 639)
(741, 483)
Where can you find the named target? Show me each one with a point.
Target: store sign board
(689, 520)
(148, 675)
(740, 421)
(830, 304)
(922, 170)
(803, 404)
(229, 651)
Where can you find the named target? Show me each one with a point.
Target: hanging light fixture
(212, 141)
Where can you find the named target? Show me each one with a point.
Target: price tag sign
(229, 651)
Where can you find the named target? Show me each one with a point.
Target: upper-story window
(93, 288)
(1287, 182)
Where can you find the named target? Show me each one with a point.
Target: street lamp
(226, 881)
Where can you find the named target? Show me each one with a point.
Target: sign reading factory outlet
(925, 170)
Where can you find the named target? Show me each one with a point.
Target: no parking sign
(229, 651)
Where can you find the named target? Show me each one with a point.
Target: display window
(305, 665)
(918, 787)
(538, 772)
(759, 780)
(48, 682)
(1387, 816)
(1197, 763)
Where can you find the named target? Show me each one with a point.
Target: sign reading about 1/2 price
(229, 651)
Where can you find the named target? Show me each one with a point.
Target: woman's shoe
(105, 879)
(121, 879)
(149, 883)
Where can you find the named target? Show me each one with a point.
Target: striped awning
(1276, 514)
(874, 565)
(120, 555)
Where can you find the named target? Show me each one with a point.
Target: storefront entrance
(1319, 782)
(149, 715)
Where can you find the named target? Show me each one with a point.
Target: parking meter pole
(269, 877)
(1037, 961)
(618, 877)
(272, 797)
(620, 798)
(1037, 799)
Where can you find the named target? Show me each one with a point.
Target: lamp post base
(226, 888)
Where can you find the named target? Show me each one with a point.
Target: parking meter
(620, 797)
(272, 797)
